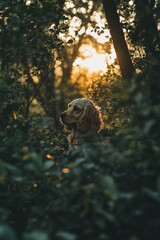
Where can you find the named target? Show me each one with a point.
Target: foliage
(99, 191)
(30, 46)
(40, 47)
(109, 92)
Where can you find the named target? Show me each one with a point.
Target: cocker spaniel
(82, 116)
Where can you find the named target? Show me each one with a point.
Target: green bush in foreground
(101, 191)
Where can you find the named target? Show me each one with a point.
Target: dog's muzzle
(62, 116)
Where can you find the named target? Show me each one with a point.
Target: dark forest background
(113, 191)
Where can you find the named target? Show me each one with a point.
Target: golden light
(14, 115)
(65, 170)
(35, 79)
(105, 33)
(91, 60)
(111, 57)
(49, 156)
(28, 2)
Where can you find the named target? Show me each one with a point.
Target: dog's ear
(91, 119)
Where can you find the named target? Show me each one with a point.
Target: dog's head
(82, 115)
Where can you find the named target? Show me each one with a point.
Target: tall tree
(119, 42)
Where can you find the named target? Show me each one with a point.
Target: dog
(81, 117)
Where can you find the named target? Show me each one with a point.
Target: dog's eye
(76, 108)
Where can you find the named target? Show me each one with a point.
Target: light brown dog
(82, 116)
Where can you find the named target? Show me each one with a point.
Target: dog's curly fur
(82, 116)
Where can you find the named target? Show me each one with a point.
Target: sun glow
(91, 60)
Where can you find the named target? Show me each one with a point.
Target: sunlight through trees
(107, 185)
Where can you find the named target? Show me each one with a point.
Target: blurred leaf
(148, 125)
(6, 167)
(6, 233)
(48, 164)
(105, 214)
(47, 122)
(152, 194)
(36, 235)
(110, 187)
(127, 196)
(89, 165)
(4, 214)
(66, 235)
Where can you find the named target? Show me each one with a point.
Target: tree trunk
(119, 42)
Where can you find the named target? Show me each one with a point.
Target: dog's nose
(62, 115)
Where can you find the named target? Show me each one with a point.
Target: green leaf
(6, 233)
(109, 187)
(36, 235)
(149, 124)
(66, 235)
(48, 164)
(89, 165)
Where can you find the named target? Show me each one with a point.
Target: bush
(99, 191)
